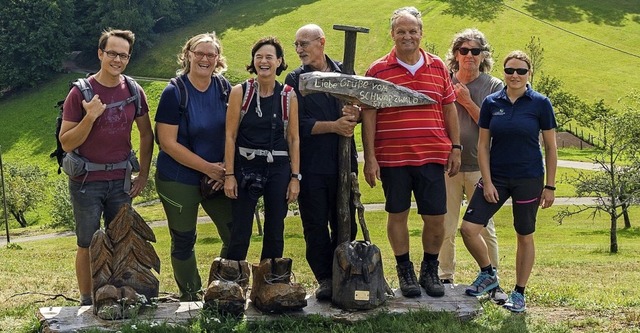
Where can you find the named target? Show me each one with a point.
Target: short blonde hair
(209, 37)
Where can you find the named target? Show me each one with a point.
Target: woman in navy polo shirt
(511, 165)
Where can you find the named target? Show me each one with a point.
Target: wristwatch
(456, 147)
(296, 176)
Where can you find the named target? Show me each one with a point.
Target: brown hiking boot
(272, 289)
(407, 279)
(228, 282)
(429, 279)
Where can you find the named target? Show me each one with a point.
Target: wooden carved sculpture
(121, 263)
(358, 275)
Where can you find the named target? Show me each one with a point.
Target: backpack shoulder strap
(285, 101)
(135, 93)
(183, 94)
(85, 88)
(225, 87)
(249, 92)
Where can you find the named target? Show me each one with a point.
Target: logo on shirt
(499, 112)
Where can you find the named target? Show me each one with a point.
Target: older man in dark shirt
(322, 121)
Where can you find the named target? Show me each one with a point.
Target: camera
(254, 183)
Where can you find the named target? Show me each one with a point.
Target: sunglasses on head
(465, 51)
(520, 71)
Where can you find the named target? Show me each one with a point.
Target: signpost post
(344, 184)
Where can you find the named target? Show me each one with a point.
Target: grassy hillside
(26, 118)
(582, 65)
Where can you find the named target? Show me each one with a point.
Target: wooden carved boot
(272, 289)
(228, 282)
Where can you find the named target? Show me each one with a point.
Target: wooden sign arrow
(357, 89)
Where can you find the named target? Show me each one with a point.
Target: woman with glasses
(190, 130)
(511, 165)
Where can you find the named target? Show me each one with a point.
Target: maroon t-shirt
(110, 138)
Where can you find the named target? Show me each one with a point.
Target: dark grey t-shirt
(479, 88)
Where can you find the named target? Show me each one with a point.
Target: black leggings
(274, 192)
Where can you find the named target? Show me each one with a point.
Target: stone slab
(74, 318)
(71, 319)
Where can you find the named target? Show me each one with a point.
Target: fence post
(4, 198)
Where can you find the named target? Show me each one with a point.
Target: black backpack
(87, 93)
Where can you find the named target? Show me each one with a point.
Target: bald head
(309, 45)
(310, 30)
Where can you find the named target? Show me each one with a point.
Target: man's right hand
(94, 108)
(371, 172)
(345, 125)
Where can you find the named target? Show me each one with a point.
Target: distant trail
(206, 219)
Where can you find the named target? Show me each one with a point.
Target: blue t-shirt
(201, 130)
(515, 132)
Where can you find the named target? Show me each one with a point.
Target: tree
(566, 105)
(618, 186)
(536, 54)
(34, 39)
(24, 189)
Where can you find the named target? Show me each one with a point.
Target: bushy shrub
(61, 210)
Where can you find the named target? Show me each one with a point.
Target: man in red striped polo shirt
(411, 148)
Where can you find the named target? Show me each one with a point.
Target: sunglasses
(520, 71)
(465, 51)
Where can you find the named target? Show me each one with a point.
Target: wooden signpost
(357, 89)
(344, 144)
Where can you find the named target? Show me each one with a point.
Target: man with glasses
(99, 130)
(322, 122)
(469, 60)
(411, 148)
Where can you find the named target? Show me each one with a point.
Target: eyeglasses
(199, 55)
(474, 51)
(114, 54)
(305, 43)
(520, 71)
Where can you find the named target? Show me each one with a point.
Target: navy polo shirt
(318, 153)
(515, 132)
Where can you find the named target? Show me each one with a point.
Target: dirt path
(163, 223)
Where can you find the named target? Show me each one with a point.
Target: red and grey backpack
(251, 90)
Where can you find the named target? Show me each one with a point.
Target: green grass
(566, 56)
(576, 154)
(567, 255)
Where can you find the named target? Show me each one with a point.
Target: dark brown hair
(127, 35)
(279, 53)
